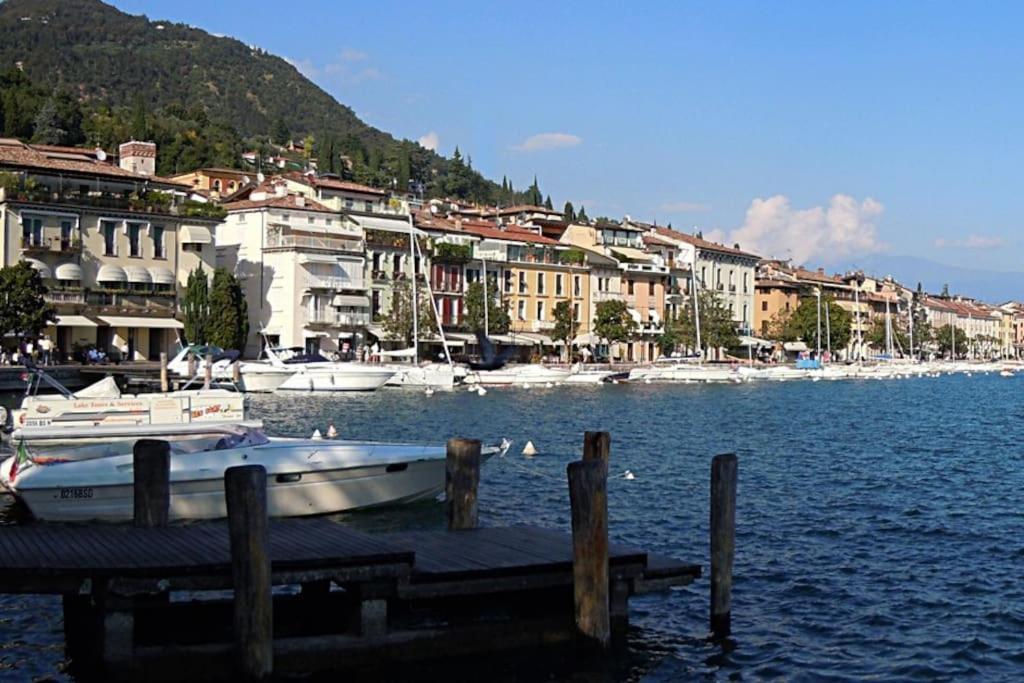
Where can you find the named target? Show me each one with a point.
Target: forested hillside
(82, 71)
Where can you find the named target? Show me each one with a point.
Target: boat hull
(329, 380)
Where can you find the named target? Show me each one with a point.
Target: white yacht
(313, 372)
(304, 477)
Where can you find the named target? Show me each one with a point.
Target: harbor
(822, 518)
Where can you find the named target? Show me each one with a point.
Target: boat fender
(332, 433)
(316, 435)
(529, 449)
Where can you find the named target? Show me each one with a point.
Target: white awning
(350, 300)
(385, 223)
(75, 321)
(68, 271)
(795, 346)
(584, 339)
(40, 267)
(635, 315)
(461, 336)
(754, 342)
(111, 273)
(138, 275)
(161, 276)
(134, 321)
(542, 339)
(517, 340)
(195, 234)
(318, 258)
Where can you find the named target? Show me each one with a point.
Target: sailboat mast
(818, 355)
(696, 308)
(437, 314)
(487, 327)
(415, 294)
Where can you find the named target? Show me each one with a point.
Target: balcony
(56, 245)
(334, 282)
(542, 325)
(302, 242)
(330, 317)
(607, 296)
(56, 296)
(379, 276)
(446, 286)
(128, 302)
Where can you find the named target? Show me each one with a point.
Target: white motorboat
(313, 372)
(102, 404)
(579, 375)
(222, 360)
(433, 375)
(513, 374)
(681, 370)
(304, 477)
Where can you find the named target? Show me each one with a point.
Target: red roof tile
(701, 243)
(278, 202)
(17, 154)
(332, 183)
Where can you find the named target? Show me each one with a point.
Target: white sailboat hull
(262, 377)
(435, 376)
(355, 378)
(521, 374)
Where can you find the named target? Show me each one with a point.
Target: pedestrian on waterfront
(46, 349)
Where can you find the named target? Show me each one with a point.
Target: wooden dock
(417, 594)
(252, 598)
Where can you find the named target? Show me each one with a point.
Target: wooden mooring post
(236, 372)
(588, 498)
(191, 365)
(724, 470)
(151, 467)
(461, 480)
(164, 384)
(245, 489)
(597, 446)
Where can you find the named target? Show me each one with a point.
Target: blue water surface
(878, 522)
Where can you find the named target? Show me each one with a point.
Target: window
(349, 204)
(231, 186)
(540, 310)
(764, 305)
(744, 313)
(732, 277)
(745, 285)
(508, 281)
(576, 285)
(285, 217)
(471, 275)
(134, 240)
(109, 230)
(368, 206)
(703, 276)
(629, 287)
(239, 218)
(558, 285)
(650, 288)
(576, 312)
(216, 185)
(311, 220)
(522, 310)
(540, 283)
(522, 283)
(32, 232)
(65, 234)
(158, 242)
(193, 247)
(787, 305)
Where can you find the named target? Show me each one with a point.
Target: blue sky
(818, 131)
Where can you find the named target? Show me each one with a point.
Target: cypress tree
(548, 204)
(196, 306)
(582, 217)
(229, 325)
(569, 213)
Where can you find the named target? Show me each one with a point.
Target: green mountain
(202, 98)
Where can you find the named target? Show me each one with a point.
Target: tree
(548, 204)
(47, 130)
(280, 132)
(565, 325)
(23, 308)
(581, 217)
(877, 336)
(498, 321)
(802, 323)
(196, 306)
(612, 321)
(228, 325)
(399, 322)
(569, 213)
(944, 339)
(680, 330)
(140, 124)
(717, 328)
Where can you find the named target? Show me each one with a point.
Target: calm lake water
(879, 522)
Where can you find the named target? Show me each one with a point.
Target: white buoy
(628, 475)
(615, 381)
(526, 385)
(481, 391)
(316, 435)
(429, 391)
(549, 385)
(529, 449)
(331, 431)
(647, 381)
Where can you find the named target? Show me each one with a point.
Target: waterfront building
(113, 243)
(340, 195)
(980, 323)
(301, 265)
(215, 183)
(643, 277)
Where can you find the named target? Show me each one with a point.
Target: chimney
(138, 157)
(300, 200)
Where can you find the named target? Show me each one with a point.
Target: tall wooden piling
(597, 446)
(191, 365)
(151, 468)
(724, 470)
(164, 384)
(208, 371)
(236, 372)
(245, 489)
(461, 479)
(588, 498)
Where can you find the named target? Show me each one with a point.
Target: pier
(252, 597)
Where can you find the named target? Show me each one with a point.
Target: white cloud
(345, 69)
(685, 207)
(542, 141)
(772, 227)
(971, 242)
(430, 141)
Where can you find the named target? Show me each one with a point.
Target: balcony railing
(331, 317)
(152, 301)
(607, 296)
(446, 286)
(55, 296)
(300, 242)
(334, 282)
(542, 325)
(51, 244)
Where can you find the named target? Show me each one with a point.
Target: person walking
(46, 349)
